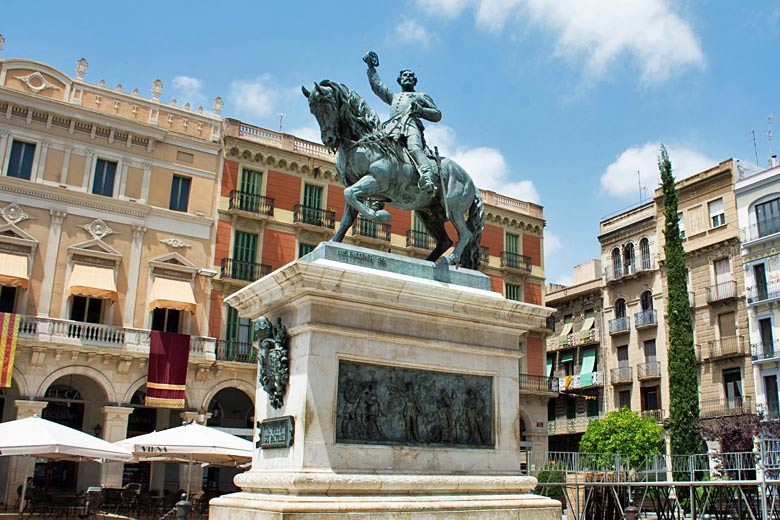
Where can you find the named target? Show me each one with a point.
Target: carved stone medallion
(13, 213)
(272, 359)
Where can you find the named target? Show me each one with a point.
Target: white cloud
(620, 177)
(552, 242)
(487, 166)
(650, 32)
(411, 32)
(310, 133)
(258, 97)
(189, 88)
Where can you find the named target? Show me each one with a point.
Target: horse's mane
(359, 116)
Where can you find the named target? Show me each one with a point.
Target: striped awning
(92, 281)
(13, 270)
(168, 293)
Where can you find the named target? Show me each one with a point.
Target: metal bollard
(631, 512)
(183, 507)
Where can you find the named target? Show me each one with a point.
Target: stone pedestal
(403, 392)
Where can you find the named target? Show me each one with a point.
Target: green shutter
(245, 247)
(312, 196)
(549, 366)
(417, 224)
(251, 181)
(588, 364)
(565, 358)
(304, 249)
(512, 244)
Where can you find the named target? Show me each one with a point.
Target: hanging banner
(167, 376)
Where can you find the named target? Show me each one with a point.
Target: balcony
(575, 382)
(420, 240)
(645, 319)
(255, 205)
(532, 384)
(515, 261)
(649, 370)
(722, 291)
(370, 230)
(619, 325)
(576, 425)
(621, 375)
(732, 346)
(765, 351)
(763, 229)
(615, 274)
(246, 271)
(728, 407)
(234, 350)
(314, 217)
(656, 415)
(78, 333)
(763, 293)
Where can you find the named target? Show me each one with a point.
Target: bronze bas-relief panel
(380, 404)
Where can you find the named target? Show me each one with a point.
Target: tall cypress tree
(683, 387)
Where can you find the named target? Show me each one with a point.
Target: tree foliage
(624, 432)
(683, 386)
(735, 434)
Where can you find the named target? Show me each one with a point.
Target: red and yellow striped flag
(9, 331)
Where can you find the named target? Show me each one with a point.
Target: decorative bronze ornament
(273, 363)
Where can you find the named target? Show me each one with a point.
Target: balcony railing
(323, 218)
(370, 229)
(613, 274)
(69, 332)
(763, 293)
(234, 350)
(730, 346)
(764, 351)
(656, 415)
(575, 425)
(515, 261)
(722, 291)
(619, 325)
(575, 382)
(649, 370)
(240, 270)
(251, 203)
(646, 318)
(621, 375)
(761, 229)
(585, 337)
(538, 384)
(419, 240)
(726, 407)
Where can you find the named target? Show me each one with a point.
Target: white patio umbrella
(190, 443)
(37, 437)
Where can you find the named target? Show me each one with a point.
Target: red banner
(9, 331)
(167, 375)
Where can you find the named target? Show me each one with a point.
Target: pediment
(96, 249)
(35, 78)
(173, 262)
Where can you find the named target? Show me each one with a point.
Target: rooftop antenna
(755, 150)
(281, 121)
(769, 135)
(641, 188)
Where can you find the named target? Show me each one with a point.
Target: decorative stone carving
(13, 213)
(36, 82)
(2, 42)
(81, 68)
(157, 87)
(175, 242)
(217, 107)
(272, 359)
(98, 229)
(389, 405)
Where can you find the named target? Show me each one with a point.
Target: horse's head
(324, 104)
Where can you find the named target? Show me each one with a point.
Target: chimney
(773, 161)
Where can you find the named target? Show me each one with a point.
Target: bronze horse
(373, 170)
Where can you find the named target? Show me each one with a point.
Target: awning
(565, 358)
(168, 293)
(549, 366)
(13, 270)
(588, 364)
(92, 281)
(565, 331)
(586, 326)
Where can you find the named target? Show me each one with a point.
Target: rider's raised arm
(429, 110)
(379, 87)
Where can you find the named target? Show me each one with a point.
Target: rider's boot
(426, 182)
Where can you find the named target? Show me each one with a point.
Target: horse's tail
(472, 253)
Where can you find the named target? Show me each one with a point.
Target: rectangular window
(571, 408)
(681, 225)
(649, 348)
(249, 190)
(312, 196)
(551, 410)
(550, 364)
(732, 387)
(759, 279)
(86, 309)
(166, 320)
(624, 399)
(622, 356)
(650, 398)
(513, 292)
(767, 337)
(7, 298)
(593, 406)
(305, 249)
(567, 361)
(727, 326)
(768, 217)
(103, 183)
(21, 160)
(512, 244)
(717, 214)
(772, 397)
(244, 255)
(180, 193)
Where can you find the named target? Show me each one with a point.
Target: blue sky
(557, 102)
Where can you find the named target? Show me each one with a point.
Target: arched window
(646, 301)
(628, 259)
(768, 217)
(616, 263)
(620, 308)
(644, 253)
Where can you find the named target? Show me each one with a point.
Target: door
(244, 255)
(732, 386)
(251, 183)
(759, 277)
(767, 339)
(312, 202)
(723, 279)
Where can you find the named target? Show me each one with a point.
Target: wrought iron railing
(724, 347)
(515, 261)
(722, 291)
(251, 203)
(240, 270)
(234, 350)
(727, 407)
(618, 325)
(613, 273)
(314, 216)
(621, 375)
(534, 383)
(762, 293)
(648, 370)
(370, 229)
(764, 351)
(646, 318)
(419, 240)
(761, 229)
(656, 415)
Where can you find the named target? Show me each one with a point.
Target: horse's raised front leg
(360, 191)
(347, 219)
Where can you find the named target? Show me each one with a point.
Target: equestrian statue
(390, 163)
